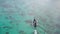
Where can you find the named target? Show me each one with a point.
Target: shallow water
(16, 16)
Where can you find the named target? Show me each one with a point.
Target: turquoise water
(16, 17)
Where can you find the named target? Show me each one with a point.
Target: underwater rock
(28, 21)
(7, 32)
(22, 32)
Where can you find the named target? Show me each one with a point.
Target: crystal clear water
(16, 16)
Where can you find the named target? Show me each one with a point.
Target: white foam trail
(35, 31)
